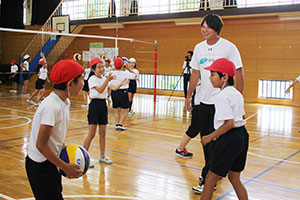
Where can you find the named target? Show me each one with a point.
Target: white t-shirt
(107, 70)
(26, 65)
(298, 78)
(96, 81)
(87, 72)
(187, 70)
(121, 76)
(53, 112)
(14, 69)
(43, 73)
(204, 56)
(136, 72)
(229, 104)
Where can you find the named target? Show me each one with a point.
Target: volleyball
(103, 56)
(77, 56)
(77, 155)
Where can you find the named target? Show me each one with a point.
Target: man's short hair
(213, 21)
(191, 52)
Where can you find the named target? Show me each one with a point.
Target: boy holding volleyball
(228, 154)
(49, 127)
(97, 114)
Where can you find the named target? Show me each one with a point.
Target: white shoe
(36, 104)
(105, 160)
(14, 91)
(30, 101)
(199, 188)
(122, 128)
(11, 90)
(131, 113)
(84, 106)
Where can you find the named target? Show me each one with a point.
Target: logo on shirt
(203, 60)
(209, 49)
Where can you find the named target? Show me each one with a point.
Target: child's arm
(228, 124)
(43, 146)
(292, 85)
(101, 88)
(44, 58)
(114, 88)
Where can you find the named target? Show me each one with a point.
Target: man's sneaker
(199, 188)
(131, 113)
(183, 153)
(105, 160)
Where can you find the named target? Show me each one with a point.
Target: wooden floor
(145, 166)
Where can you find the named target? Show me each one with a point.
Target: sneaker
(183, 153)
(84, 106)
(105, 160)
(131, 113)
(199, 188)
(117, 128)
(14, 91)
(30, 101)
(36, 104)
(11, 90)
(122, 128)
(91, 166)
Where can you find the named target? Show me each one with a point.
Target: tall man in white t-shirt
(205, 53)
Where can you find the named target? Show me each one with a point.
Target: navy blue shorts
(120, 98)
(132, 86)
(229, 152)
(39, 84)
(97, 113)
(25, 75)
(15, 78)
(44, 179)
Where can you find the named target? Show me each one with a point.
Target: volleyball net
(57, 45)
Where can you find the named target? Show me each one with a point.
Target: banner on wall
(110, 53)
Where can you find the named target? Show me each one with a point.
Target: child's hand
(42, 54)
(111, 77)
(287, 91)
(125, 81)
(72, 171)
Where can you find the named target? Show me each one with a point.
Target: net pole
(155, 70)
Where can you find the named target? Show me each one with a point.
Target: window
(163, 82)
(274, 89)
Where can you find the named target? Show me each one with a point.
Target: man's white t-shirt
(204, 56)
(13, 69)
(43, 73)
(52, 112)
(229, 104)
(121, 76)
(96, 81)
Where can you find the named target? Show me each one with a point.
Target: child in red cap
(48, 132)
(40, 82)
(98, 114)
(231, 138)
(13, 75)
(120, 97)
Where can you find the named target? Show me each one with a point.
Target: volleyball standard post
(155, 70)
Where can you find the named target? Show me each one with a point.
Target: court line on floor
(6, 197)
(91, 196)
(262, 173)
(23, 124)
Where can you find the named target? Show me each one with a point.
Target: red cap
(13, 61)
(95, 60)
(118, 62)
(108, 60)
(41, 61)
(224, 66)
(65, 70)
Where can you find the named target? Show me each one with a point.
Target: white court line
(90, 196)
(6, 197)
(251, 116)
(270, 158)
(16, 116)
